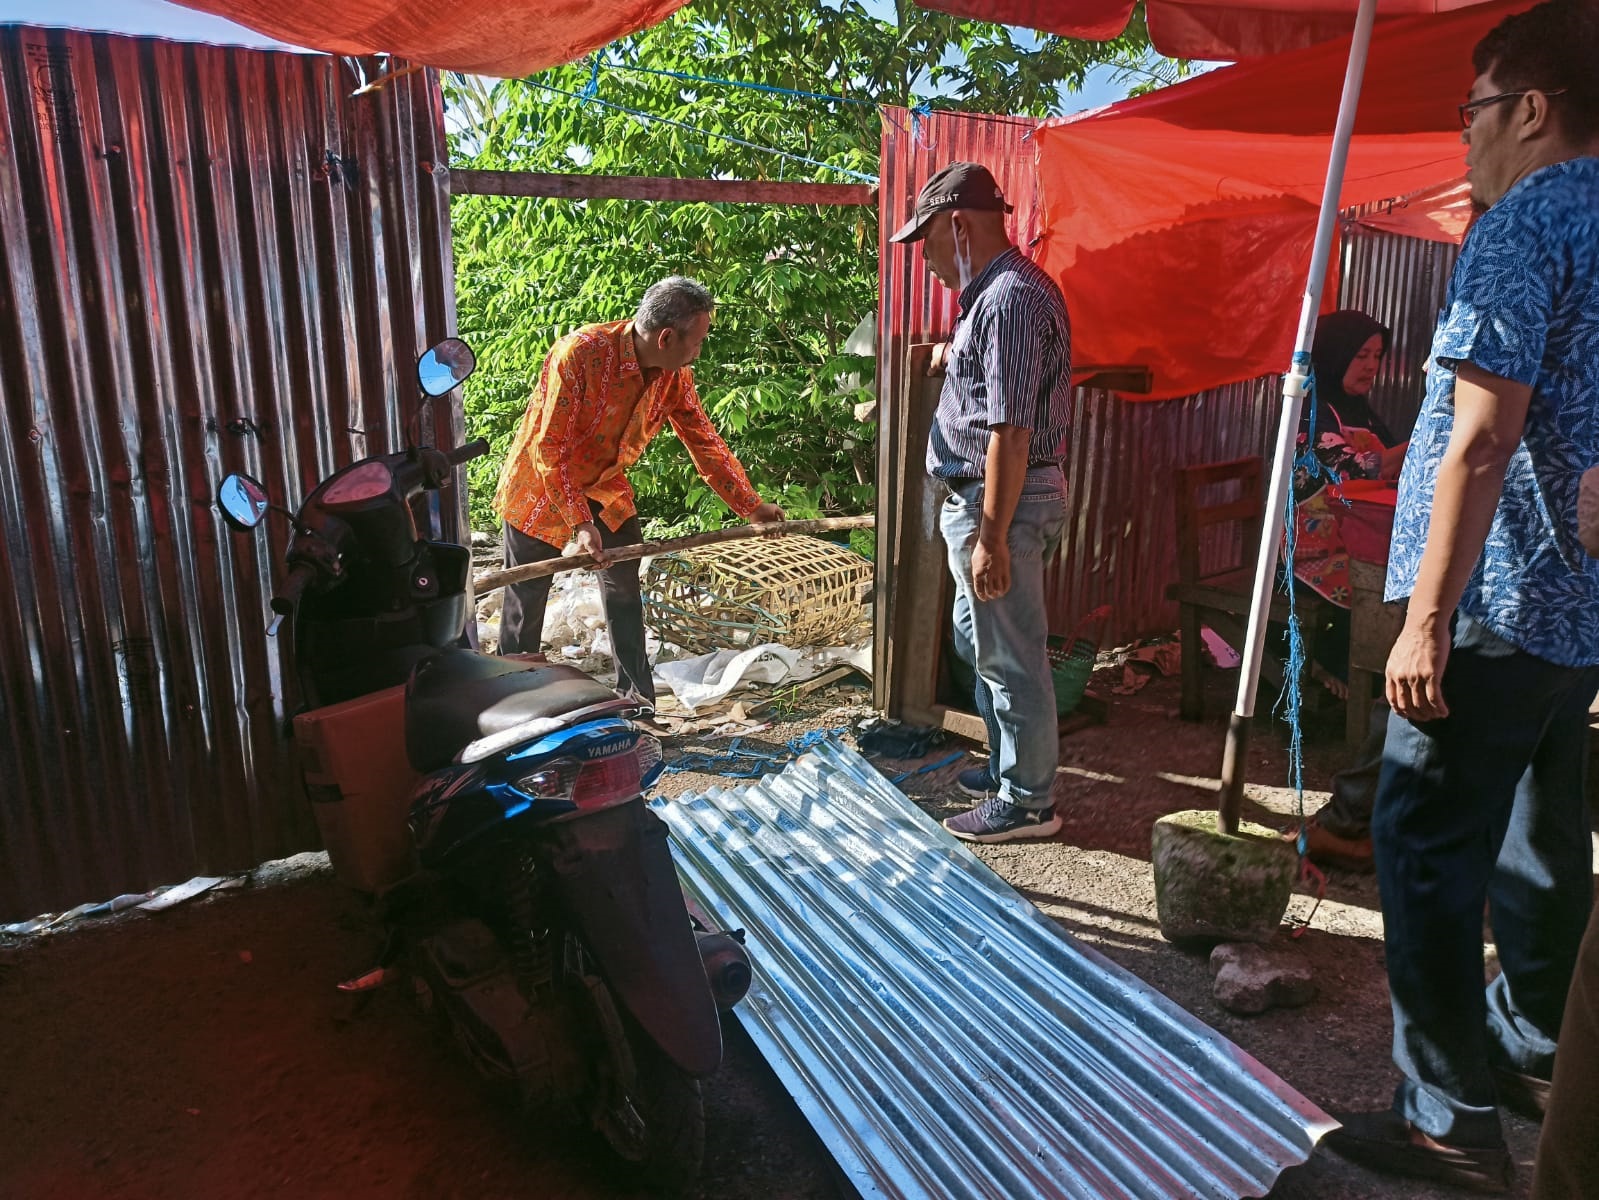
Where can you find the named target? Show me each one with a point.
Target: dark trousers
(522, 616)
(1568, 1150)
(1354, 789)
(1487, 804)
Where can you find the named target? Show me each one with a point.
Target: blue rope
(592, 87)
(633, 112)
(1292, 698)
(738, 763)
(736, 83)
(928, 768)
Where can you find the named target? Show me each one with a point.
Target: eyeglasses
(1468, 110)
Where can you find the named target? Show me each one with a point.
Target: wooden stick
(464, 182)
(494, 580)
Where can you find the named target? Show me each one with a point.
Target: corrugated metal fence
(1120, 546)
(214, 260)
(1401, 282)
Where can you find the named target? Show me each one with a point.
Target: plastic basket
(1070, 665)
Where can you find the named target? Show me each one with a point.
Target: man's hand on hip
(990, 570)
(589, 542)
(1415, 674)
(767, 514)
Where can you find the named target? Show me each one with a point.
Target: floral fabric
(1321, 559)
(1523, 304)
(589, 419)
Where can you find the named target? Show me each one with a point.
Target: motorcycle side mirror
(243, 501)
(445, 366)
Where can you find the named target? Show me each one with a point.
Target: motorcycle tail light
(551, 783)
(608, 781)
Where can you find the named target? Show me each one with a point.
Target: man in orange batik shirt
(604, 392)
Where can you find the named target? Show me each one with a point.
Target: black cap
(959, 185)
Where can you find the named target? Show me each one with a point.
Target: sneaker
(997, 820)
(1386, 1142)
(976, 782)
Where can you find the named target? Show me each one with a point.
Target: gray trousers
(522, 617)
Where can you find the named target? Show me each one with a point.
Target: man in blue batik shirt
(1482, 795)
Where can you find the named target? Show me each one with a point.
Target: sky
(152, 17)
(162, 19)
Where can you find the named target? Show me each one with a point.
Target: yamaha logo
(606, 749)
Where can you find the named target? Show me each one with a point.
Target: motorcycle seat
(458, 699)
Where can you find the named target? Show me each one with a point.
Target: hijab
(1339, 337)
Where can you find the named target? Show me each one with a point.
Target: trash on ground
(885, 737)
(152, 901)
(739, 761)
(1132, 682)
(184, 891)
(706, 678)
(1217, 650)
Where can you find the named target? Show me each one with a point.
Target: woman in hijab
(1349, 441)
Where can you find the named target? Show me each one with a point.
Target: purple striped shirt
(1010, 363)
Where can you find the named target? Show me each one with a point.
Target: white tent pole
(1294, 387)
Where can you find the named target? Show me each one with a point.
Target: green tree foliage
(792, 282)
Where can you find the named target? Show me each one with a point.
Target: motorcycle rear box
(359, 781)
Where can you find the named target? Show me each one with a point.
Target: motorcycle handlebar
(300, 577)
(466, 453)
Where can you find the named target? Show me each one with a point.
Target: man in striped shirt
(997, 443)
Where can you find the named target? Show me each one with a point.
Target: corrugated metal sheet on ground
(213, 260)
(943, 1036)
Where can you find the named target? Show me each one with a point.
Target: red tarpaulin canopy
(1222, 30)
(1180, 223)
(482, 37)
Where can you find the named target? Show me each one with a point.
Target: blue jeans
(1005, 640)
(1488, 804)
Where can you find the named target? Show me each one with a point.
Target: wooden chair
(1218, 594)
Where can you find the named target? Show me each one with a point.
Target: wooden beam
(655, 187)
(952, 720)
(491, 580)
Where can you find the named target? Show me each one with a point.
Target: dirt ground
(204, 1052)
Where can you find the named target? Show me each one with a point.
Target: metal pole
(1294, 387)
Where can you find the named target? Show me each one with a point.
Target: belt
(960, 481)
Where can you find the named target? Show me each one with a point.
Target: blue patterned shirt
(1010, 363)
(1523, 304)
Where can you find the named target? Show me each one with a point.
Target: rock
(1216, 886)
(1250, 978)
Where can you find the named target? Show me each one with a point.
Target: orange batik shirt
(588, 421)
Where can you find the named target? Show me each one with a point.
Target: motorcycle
(542, 922)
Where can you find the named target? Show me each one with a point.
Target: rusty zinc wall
(1120, 543)
(214, 260)
(1401, 282)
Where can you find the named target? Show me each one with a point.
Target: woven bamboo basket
(797, 591)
